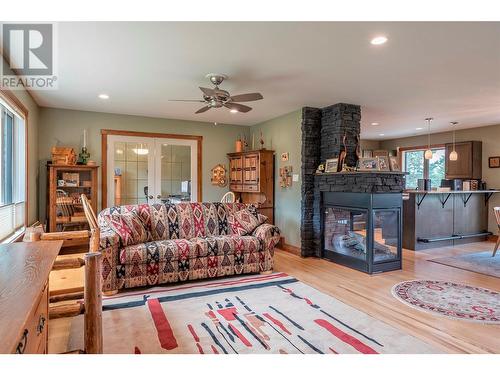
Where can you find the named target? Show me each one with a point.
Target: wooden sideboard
(24, 304)
(251, 178)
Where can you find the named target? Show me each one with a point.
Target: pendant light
(453, 155)
(428, 152)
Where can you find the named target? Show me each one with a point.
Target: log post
(95, 235)
(93, 343)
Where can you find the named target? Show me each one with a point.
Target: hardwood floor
(372, 294)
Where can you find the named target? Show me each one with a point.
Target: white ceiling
(450, 71)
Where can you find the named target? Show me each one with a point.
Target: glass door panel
(175, 173)
(345, 232)
(151, 170)
(131, 160)
(386, 235)
(177, 170)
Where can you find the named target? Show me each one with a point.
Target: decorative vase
(84, 156)
(239, 145)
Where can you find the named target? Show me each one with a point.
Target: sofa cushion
(226, 245)
(158, 251)
(198, 247)
(245, 221)
(128, 226)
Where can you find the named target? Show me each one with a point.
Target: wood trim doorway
(104, 156)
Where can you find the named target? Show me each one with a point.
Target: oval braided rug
(457, 301)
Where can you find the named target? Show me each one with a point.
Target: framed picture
(394, 163)
(367, 153)
(368, 164)
(494, 162)
(380, 153)
(331, 165)
(71, 179)
(383, 163)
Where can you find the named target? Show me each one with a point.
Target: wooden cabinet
(24, 300)
(469, 163)
(64, 186)
(251, 178)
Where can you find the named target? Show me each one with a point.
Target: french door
(151, 170)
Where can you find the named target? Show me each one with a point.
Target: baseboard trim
(289, 248)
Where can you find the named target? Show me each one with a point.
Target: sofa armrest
(108, 237)
(268, 234)
(109, 246)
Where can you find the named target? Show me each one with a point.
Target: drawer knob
(41, 325)
(21, 347)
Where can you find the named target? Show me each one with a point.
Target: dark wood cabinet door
(461, 168)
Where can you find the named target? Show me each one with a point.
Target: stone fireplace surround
(322, 133)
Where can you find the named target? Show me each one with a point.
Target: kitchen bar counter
(444, 218)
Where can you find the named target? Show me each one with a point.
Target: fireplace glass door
(345, 232)
(368, 240)
(385, 235)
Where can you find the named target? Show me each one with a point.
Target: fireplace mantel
(360, 173)
(360, 182)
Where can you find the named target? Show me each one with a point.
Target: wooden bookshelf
(65, 184)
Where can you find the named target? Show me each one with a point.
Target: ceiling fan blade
(207, 91)
(247, 97)
(238, 107)
(186, 100)
(203, 109)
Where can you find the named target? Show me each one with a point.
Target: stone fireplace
(352, 218)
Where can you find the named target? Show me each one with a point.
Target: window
(12, 171)
(418, 167)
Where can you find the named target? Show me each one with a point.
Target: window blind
(12, 171)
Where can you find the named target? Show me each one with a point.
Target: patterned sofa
(186, 241)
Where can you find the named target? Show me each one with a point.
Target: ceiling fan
(217, 98)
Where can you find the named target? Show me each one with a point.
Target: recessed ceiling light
(418, 128)
(378, 40)
(381, 134)
(103, 96)
(374, 123)
(233, 110)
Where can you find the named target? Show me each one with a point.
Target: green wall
(65, 128)
(283, 134)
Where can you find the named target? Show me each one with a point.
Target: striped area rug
(253, 314)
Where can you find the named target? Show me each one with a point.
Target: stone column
(336, 121)
(311, 134)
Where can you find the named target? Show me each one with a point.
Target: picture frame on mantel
(394, 163)
(383, 163)
(368, 164)
(331, 165)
